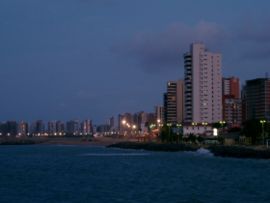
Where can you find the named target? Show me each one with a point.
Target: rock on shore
(18, 142)
(216, 150)
(155, 146)
(240, 152)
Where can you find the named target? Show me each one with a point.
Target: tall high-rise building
(231, 87)
(23, 128)
(151, 118)
(173, 102)
(73, 127)
(38, 128)
(258, 98)
(127, 117)
(139, 120)
(52, 128)
(60, 128)
(159, 112)
(203, 85)
(165, 104)
(231, 102)
(232, 111)
(142, 119)
(244, 103)
(9, 128)
(111, 123)
(86, 127)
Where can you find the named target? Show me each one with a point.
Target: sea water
(70, 173)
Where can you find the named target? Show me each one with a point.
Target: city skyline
(78, 59)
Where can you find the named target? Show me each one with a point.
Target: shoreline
(236, 151)
(98, 141)
(152, 146)
(243, 152)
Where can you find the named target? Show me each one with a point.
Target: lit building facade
(231, 87)
(73, 127)
(86, 127)
(136, 122)
(60, 128)
(257, 97)
(111, 123)
(23, 129)
(38, 128)
(232, 112)
(52, 128)
(159, 112)
(231, 102)
(197, 130)
(174, 102)
(203, 85)
(9, 128)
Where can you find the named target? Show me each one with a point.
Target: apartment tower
(231, 102)
(173, 102)
(203, 85)
(231, 87)
(258, 98)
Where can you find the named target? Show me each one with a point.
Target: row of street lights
(178, 125)
(128, 125)
(125, 123)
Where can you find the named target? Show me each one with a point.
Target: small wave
(204, 152)
(114, 154)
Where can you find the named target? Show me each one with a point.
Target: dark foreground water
(55, 173)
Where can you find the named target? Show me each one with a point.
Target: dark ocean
(61, 173)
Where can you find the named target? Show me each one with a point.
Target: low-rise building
(197, 130)
(232, 111)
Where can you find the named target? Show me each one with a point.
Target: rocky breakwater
(240, 151)
(253, 152)
(18, 141)
(167, 147)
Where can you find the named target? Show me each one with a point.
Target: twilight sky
(78, 59)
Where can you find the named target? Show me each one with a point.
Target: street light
(178, 125)
(134, 127)
(222, 123)
(169, 125)
(124, 122)
(263, 122)
(158, 125)
(195, 132)
(204, 123)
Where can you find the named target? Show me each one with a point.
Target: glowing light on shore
(215, 132)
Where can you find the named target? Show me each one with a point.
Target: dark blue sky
(77, 59)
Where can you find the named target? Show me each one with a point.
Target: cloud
(250, 30)
(163, 50)
(252, 39)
